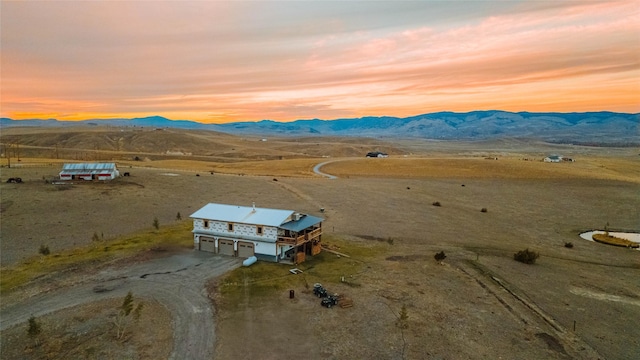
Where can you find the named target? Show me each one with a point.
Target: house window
(230, 226)
(206, 224)
(259, 230)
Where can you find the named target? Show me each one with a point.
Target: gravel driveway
(316, 169)
(178, 282)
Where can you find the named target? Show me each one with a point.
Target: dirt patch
(4, 205)
(552, 342)
(412, 257)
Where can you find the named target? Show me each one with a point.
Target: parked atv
(329, 301)
(319, 291)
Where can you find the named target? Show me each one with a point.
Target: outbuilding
(89, 171)
(268, 234)
(377, 154)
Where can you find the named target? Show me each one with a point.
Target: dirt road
(177, 282)
(316, 169)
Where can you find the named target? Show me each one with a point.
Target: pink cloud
(232, 61)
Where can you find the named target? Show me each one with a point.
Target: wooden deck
(310, 236)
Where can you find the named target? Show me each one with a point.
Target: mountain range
(597, 128)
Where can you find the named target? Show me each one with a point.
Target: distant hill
(596, 128)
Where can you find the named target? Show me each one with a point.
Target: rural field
(579, 302)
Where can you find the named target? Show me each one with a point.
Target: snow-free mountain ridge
(584, 128)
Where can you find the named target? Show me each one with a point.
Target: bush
(34, 329)
(440, 256)
(44, 250)
(568, 245)
(526, 256)
(156, 224)
(483, 210)
(437, 203)
(403, 318)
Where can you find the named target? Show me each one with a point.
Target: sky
(227, 61)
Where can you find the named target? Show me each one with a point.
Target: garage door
(225, 247)
(207, 244)
(245, 249)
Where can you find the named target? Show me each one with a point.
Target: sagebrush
(526, 256)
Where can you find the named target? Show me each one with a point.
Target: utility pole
(7, 151)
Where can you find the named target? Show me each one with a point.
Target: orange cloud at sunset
(245, 61)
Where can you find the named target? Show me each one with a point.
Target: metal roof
(242, 214)
(75, 167)
(304, 222)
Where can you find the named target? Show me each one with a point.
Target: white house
(377, 154)
(557, 159)
(268, 234)
(89, 171)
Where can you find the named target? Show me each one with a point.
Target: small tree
(178, 216)
(156, 223)
(127, 313)
(34, 330)
(95, 237)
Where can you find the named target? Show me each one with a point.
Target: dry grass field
(578, 302)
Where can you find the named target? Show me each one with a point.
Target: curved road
(316, 169)
(178, 282)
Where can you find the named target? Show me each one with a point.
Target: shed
(377, 154)
(269, 234)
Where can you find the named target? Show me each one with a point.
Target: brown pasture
(573, 303)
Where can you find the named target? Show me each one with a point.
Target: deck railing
(313, 234)
(292, 240)
(302, 238)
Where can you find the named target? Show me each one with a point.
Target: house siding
(268, 245)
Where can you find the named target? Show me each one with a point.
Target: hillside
(592, 128)
(109, 143)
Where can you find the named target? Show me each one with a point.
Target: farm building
(557, 159)
(89, 171)
(268, 234)
(377, 154)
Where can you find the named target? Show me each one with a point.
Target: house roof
(304, 222)
(242, 214)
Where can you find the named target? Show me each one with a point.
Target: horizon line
(307, 119)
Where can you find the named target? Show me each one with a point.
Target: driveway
(316, 169)
(178, 282)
